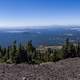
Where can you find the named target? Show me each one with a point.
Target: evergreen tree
(72, 51)
(13, 51)
(78, 49)
(7, 56)
(1, 52)
(66, 47)
(55, 58)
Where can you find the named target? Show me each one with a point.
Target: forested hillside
(19, 53)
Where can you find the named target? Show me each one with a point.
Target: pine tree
(66, 47)
(78, 49)
(13, 51)
(55, 56)
(0, 51)
(72, 51)
(7, 56)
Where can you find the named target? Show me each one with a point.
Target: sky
(33, 13)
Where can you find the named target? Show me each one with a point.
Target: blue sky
(39, 12)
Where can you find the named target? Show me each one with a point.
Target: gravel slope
(68, 69)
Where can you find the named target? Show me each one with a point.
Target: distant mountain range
(46, 36)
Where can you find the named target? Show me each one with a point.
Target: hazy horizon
(35, 13)
(37, 27)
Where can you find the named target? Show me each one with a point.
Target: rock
(24, 78)
(68, 69)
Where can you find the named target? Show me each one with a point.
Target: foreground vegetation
(28, 54)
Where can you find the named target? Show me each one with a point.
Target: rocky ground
(68, 69)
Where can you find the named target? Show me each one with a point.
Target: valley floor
(68, 69)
